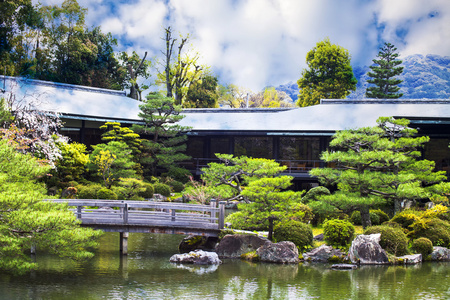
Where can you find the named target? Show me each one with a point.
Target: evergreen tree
(160, 115)
(330, 75)
(203, 94)
(376, 166)
(26, 220)
(383, 74)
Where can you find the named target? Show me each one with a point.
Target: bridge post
(173, 214)
(124, 243)
(213, 206)
(222, 214)
(125, 213)
(78, 212)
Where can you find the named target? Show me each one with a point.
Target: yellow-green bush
(338, 233)
(423, 246)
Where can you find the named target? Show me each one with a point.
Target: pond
(147, 274)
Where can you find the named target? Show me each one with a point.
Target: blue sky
(255, 43)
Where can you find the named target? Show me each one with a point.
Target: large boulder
(197, 257)
(194, 242)
(366, 250)
(233, 246)
(282, 253)
(440, 254)
(323, 253)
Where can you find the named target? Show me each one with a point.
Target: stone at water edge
(282, 253)
(197, 257)
(344, 267)
(440, 254)
(366, 250)
(234, 245)
(411, 259)
(322, 254)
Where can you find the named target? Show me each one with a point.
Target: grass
(318, 230)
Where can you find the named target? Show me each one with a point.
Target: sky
(259, 43)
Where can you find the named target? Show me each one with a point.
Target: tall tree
(383, 74)
(270, 97)
(161, 115)
(233, 96)
(203, 93)
(329, 74)
(136, 67)
(376, 166)
(179, 72)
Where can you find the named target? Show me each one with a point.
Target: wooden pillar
(222, 214)
(213, 205)
(124, 243)
(33, 248)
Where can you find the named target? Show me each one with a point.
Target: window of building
(259, 147)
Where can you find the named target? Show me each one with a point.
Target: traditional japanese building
(293, 136)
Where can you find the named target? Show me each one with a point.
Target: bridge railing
(93, 211)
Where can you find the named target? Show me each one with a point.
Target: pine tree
(378, 166)
(384, 72)
(161, 115)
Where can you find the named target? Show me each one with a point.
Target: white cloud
(254, 43)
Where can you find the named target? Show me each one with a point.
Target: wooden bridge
(148, 217)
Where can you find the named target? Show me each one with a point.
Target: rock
(159, 198)
(233, 246)
(344, 267)
(318, 237)
(365, 249)
(194, 242)
(440, 254)
(411, 259)
(323, 254)
(197, 257)
(179, 200)
(282, 253)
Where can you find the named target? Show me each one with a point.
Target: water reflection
(146, 273)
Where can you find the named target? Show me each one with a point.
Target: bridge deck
(147, 216)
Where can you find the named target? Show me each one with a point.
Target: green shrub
(338, 233)
(162, 189)
(179, 174)
(436, 230)
(105, 193)
(377, 217)
(382, 216)
(148, 192)
(88, 191)
(423, 246)
(300, 212)
(177, 186)
(294, 231)
(244, 222)
(406, 218)
(393, 240)
(314, 193)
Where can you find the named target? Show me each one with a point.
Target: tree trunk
(365, 217)
(269, 235)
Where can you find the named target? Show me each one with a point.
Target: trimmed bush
(294, 231)
(300, 212)
(423, 246)
(148, 192)
(179, 174)
(377, 217)
(162, 189)
(314, 193)
(406, 217)
(393, 240)
(177, 186)
(338, 233)
(243, 222)
(382, 216)
(88, 191)
(436, 230)
(105, 193)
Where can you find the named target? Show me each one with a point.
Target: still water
(147, 274)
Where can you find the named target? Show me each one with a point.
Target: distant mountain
(423, 77)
